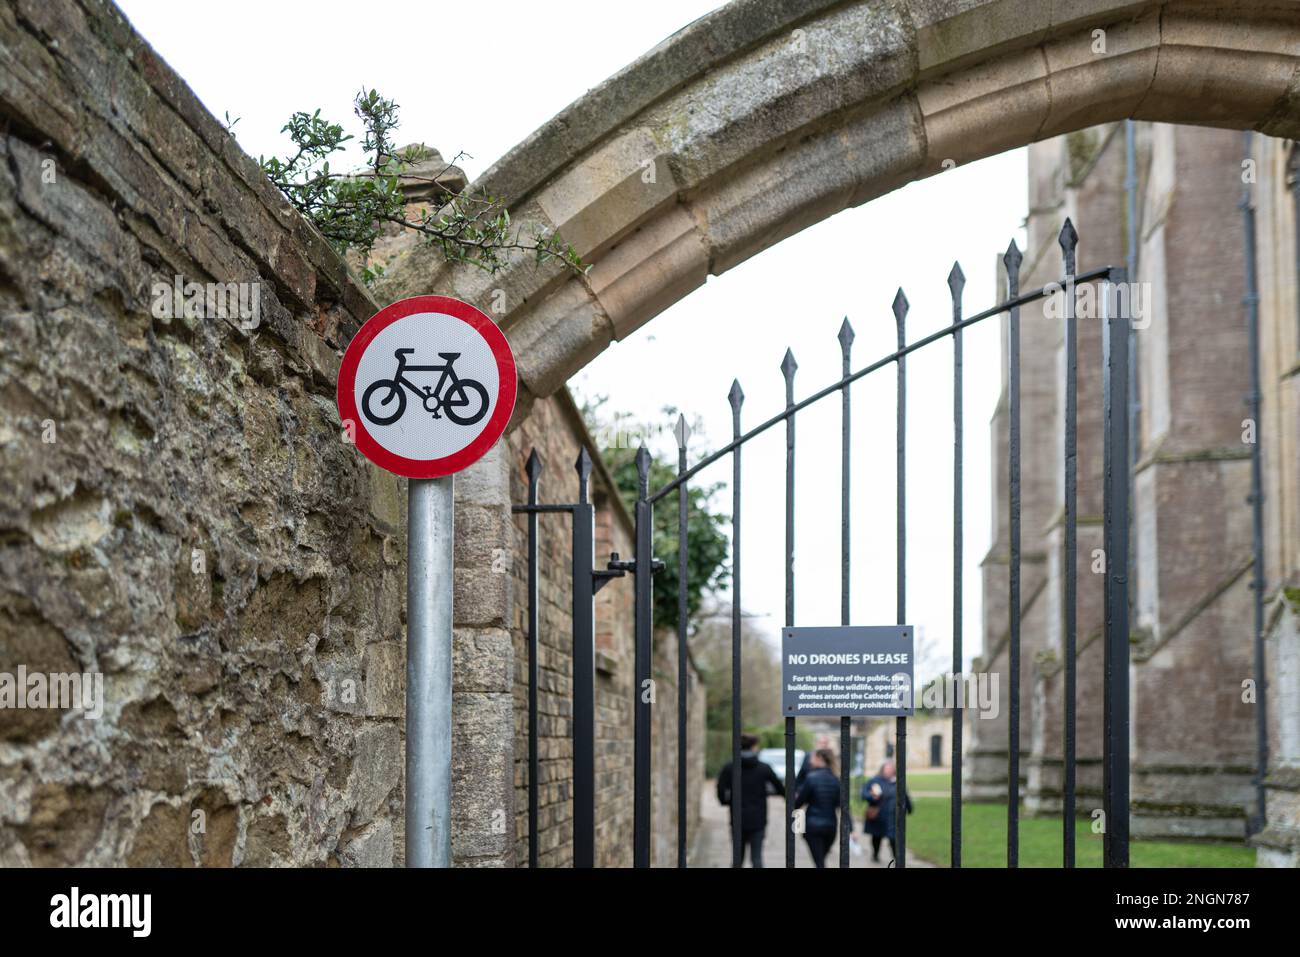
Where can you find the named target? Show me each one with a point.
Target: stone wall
(555, 429)
(1194, 626)
(179, 512)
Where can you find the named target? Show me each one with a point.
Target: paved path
(713, 842)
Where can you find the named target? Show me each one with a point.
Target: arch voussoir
(1226, 65)
(864, 156)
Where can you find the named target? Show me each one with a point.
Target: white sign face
(428, 385)
(424, 383)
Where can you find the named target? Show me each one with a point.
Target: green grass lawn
(929, 781)
(984, 840)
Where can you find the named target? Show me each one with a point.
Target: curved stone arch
(767, 116)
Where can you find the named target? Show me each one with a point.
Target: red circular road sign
(426, 387)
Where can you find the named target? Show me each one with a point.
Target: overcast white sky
(481, 77)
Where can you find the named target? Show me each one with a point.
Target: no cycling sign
(427, 386)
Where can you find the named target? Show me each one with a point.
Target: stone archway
(767, 116)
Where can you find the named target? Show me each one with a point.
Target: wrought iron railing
(1116, 511)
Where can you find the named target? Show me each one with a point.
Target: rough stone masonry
(179, 512)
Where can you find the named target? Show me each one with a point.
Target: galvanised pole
(430, 535)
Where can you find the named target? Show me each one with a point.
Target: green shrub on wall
(718, 744)
(707, 543)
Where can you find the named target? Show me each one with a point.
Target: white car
(775, 759)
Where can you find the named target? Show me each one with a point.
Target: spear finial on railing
(643, 471)
(534, 467)
(956, 281)
(788, 365)
(583, 466)
(1069, 240)
(846, 338)
(900, 315)
(682, 431)
(1012, 259)
(737, 398)
(1012, 256)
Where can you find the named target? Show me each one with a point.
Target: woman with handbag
(881, 795)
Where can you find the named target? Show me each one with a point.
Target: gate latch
(617, 569)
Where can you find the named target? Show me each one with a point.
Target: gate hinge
(617, 569)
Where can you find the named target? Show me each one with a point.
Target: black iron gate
(1116, 517)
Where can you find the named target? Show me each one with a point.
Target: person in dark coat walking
(823, 741)
(881, 795)
(757, 781)
(820, 793)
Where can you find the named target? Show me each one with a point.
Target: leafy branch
(707, 542)
(351, 209)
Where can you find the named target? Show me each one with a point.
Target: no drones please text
(851, 658)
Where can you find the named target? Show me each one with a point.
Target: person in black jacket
(757, 781)
(820, 793)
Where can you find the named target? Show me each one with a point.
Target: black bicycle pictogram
(452, 394)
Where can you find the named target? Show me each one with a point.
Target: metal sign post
(430, 536)
(425, 388)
